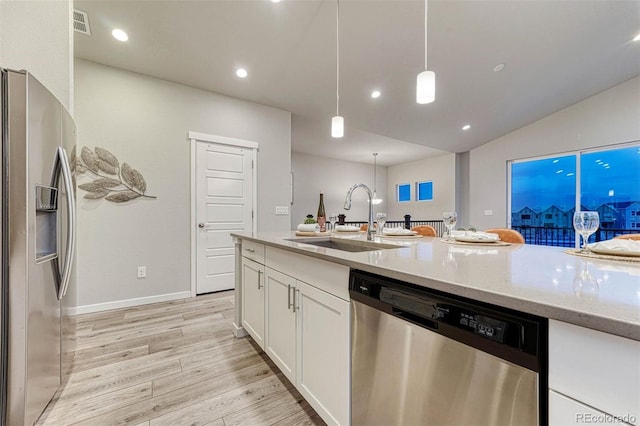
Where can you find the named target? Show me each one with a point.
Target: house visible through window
(551, 189)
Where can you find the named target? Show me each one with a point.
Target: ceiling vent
(81, 22)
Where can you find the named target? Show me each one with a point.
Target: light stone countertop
(539, 280)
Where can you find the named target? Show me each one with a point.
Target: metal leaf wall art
(112, 181)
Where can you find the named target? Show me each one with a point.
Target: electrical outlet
(282, 210)
(142, 272)
(488, 212)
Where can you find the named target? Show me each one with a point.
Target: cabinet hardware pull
(250, 250)
(296, 298)
(259, 275)
(288, 296)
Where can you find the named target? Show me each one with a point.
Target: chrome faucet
(347, 206)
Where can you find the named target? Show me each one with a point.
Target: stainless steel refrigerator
(38, 239)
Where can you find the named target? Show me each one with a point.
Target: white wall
(610, 117)
(37, 36)
(144, 121)
(441, 170)
(313, 175)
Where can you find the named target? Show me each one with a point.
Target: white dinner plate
(399, 234)
(416, 235)
(474, 239)
(602, 250)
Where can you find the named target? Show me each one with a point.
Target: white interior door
(224, 204)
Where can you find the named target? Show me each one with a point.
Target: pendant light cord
(425, 35)
(337, 57)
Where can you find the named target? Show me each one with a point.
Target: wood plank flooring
(173, 363)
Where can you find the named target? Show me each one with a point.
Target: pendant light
(426, 84)
(337, 122)
(375, 199)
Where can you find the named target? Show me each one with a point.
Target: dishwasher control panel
(439, 311)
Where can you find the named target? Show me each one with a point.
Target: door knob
(201, 225)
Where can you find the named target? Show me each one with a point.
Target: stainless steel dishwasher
(421, 357)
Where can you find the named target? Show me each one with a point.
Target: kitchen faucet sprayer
(347, 206)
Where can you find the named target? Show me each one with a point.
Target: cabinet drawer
(596, 368)
(327, 276)
(252, 250)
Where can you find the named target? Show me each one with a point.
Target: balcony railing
(563, 237)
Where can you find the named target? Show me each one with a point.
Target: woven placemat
(578, 252)
(464, 243)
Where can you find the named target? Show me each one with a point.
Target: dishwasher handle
(415, 319)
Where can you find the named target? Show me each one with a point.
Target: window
(424, 191)
(403, 192)
(605, 180)
(526, 216)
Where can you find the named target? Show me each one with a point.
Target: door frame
(193, 138)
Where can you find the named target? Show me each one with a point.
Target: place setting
(619, 248)
(468, 237)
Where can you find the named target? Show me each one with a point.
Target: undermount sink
(344, 245)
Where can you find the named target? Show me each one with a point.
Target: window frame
(398, 185)
(417, 189)
(578, 173)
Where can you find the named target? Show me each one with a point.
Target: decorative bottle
(322, 216)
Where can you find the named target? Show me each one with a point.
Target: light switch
(488, 212)
(282, 210)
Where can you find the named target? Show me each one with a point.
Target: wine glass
(450, 219)
(584, 284)
(332, 220)
(586, 223)
(381, 218)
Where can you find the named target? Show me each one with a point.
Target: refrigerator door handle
(62, 165)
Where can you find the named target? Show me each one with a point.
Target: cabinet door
(323, 374)
(253, 300)
(280, 333)
(564, 411)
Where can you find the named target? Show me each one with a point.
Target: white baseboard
(127, 303)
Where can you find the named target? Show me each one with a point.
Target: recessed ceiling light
(637, 38)
(118, 34)
(559, 171)
(466, 127)
(556, 161)
(498, 68)
(375, 94)
(275, 1)
(241, 72)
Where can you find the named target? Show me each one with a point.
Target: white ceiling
(556, 54)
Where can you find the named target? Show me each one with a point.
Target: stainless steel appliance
(421, 357)
(38, 234)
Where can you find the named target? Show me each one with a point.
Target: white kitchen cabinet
(253, 300)
(280, 335)
(323, 373)
(307, 331)
(596, 369)
(564, 411)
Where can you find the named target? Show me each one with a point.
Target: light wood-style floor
(173, 363)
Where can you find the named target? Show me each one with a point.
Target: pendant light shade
(375, 200)
(337, 122)
(426, 81)
(426, 87)
(337, 126)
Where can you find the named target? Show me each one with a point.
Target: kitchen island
(593, 305)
